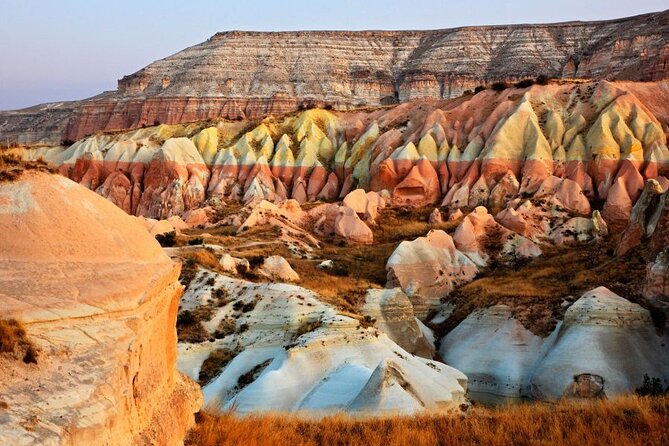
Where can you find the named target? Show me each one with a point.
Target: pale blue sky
(53, 50)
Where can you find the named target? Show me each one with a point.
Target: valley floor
(630, 420)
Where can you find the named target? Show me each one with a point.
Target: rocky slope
(287, 351)
(250, 74)
(99, 298)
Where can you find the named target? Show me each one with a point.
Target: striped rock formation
(566, 143)
(290, 352)
(250, 74)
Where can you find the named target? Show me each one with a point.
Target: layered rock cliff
(99, 298)
(251, 74)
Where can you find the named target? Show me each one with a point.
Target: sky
(72, 49)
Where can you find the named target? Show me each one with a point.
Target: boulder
(277, 268)
(580, 229)
(427, 269)
(436, 217)
(392, 313)
(349, 227)
(233, 265)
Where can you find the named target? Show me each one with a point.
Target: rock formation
(427, 269)
(290, 352)
(393, 314)
(560, 145)
(604, 340)
(99, 297)
(251, 74)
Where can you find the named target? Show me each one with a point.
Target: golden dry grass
(536, 288)
(626, 421)
(14, 341)
(12, 165)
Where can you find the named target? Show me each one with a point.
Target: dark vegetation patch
(167, 239)
(215, 363)
(190, 326)
(247, 378)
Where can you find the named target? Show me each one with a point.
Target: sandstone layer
(99, 297)
(251, 74)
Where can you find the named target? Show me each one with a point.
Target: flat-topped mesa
(252, 74)
(99, 298)
(564, 143)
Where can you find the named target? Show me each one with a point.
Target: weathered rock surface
(251, 74)
(392, 313)
(602, 335)
(99, 297)
(427, 269)
(277, 268)
(293, 353)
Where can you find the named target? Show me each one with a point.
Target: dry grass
(14, 341)
(214, 364)
(628, 421)
(12, 166)
(535, 289)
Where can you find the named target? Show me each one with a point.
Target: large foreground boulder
(99, 298)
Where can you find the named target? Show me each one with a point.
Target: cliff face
(250, 74)
(99, 297)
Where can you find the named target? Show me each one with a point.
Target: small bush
(256, 261)
(226, 327)
(651, 387)
(248, 306)
(189, 326)
(499, 86)
(250, 376)
(196, 241)
(12, 166)
(524, 83)
(167, 239)
(480, 88)
(14, 340)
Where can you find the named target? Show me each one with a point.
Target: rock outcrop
(603, 347)
(99, 297)
(392, 313)
(251, 74)
(289, 352)
(427, 269)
